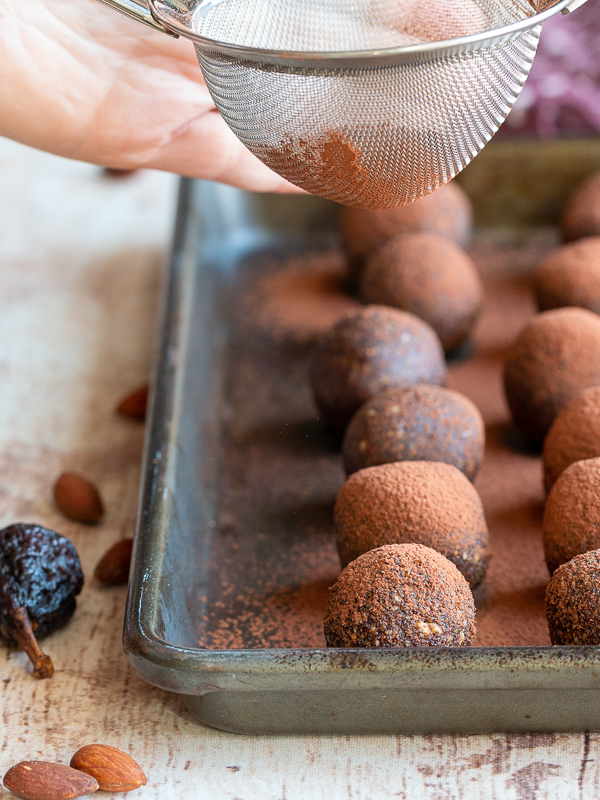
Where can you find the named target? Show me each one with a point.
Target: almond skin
(135, 404)
(77, 498)
(112, 172)
(114, 770)
(113, 567)
(43, 780)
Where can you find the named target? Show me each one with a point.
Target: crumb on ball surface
(571, 523)
(372, 350)
(447, 212)
(581, 215)
(400, 595)
(419, 502)
(570, 276)
(573, 601)
(429, 276)
(555, 358)
(417, 423)
(574, 435)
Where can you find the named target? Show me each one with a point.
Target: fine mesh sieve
(371, 103)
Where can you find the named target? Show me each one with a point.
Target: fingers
(206, 148)
(89, 86)
(159, 113)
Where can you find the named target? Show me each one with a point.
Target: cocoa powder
(572, 515)
(426, 502)
(273, 555)
(374, 349)
(302, 297)
(429, 276)
(555, 358)
(573, 601)
(400, 595)
(581, 215)
(570, 276)
(447, 213)
(353, 170)
(574, 435)
(322, 165)
(416, 423)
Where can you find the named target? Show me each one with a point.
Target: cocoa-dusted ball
(418, 423)
(423, 502)
(446, 212)
(430, 277)
(581, 215)
(573, 601)
(571, 522)
(400, 595)
(372, 350)
(570, 277)
(555, 358)
(574, 435)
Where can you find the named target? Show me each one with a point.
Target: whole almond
(77, 498)
(114, 770)
(43, 780)
(113, 172)
(135, 404)
(113, 567)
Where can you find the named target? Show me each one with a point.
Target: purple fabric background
(562, 93)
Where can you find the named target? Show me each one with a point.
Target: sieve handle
(139, 12)
(572, 6)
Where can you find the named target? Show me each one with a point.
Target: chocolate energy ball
(574, 435)
(571, 522)
(372, 350)
(581, 215)
(555, 358)
(570, 277)
(423, 502)
(419, 423)
(400, 595)
(446, 212)
(430, 277)
(573, 601)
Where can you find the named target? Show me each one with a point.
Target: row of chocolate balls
(410, 595)
(381, 510)
(554, 350)
(411, 258)
(571, 522)
(552, 382)
(377, 503)
(554, 358)
(431, 424)
(410, 527)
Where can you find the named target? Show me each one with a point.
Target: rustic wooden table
(81, 259)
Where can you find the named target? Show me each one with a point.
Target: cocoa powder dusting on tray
(273, 555)
(301, 297)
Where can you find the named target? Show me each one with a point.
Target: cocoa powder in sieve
(329, 161)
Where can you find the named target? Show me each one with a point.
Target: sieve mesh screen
(374, 136)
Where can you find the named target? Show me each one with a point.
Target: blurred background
(562, 94)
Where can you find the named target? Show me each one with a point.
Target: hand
(83, 81)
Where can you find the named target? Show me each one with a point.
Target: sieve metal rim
(179, 21)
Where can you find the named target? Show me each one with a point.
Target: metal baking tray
(233, 553)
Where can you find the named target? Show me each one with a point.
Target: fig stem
(25, 638)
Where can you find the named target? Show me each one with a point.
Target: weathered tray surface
(234, 553)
